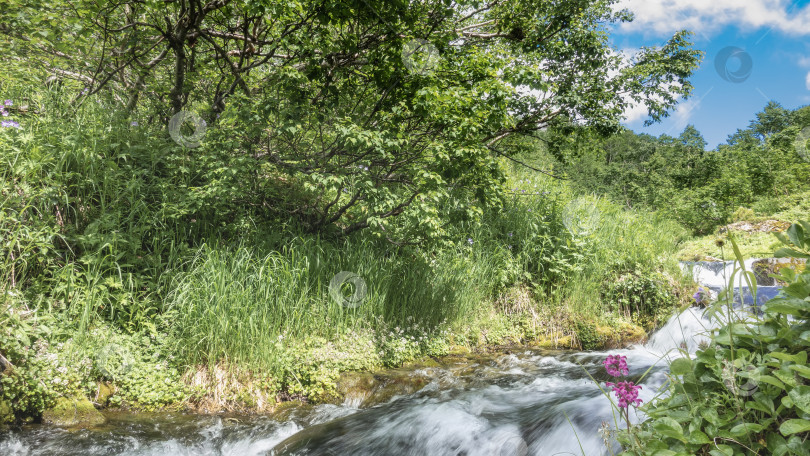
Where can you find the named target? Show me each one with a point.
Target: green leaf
(787, 377)
(771, 381)
(776, 444)
(722, 450)
(794, 426)
(698, 437)
(668, 427)
(801, 398)
(681, 366)
(745, 429)
(711, 416)
(788, 306)
(801, 358)
(804, 371)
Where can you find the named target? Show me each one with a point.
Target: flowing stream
(528, 402)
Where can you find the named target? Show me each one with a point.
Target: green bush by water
(747, 392)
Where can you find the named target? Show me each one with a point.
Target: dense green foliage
(152, 260)
(747, 392)
(761, 170)
(149, 270)
(321, 118)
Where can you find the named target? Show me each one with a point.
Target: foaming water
(160, 435)
(528, 403)
(685, 331)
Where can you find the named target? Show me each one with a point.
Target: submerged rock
(764, 267)
(364, 389)
(73, 412)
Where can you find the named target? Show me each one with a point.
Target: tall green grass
(235, 303)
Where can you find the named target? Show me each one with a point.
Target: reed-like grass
(235, 304)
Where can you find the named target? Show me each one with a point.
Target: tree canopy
(348, 113)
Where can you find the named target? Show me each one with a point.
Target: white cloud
(682, 115)
(636, 112)
(705, 17)
(807, 80)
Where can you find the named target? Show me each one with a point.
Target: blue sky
(767, 57)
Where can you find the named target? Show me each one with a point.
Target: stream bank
(516, 401)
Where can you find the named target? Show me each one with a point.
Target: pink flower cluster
(616, 365)
(626, 393)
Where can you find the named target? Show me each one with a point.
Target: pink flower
(616, 365)
(626, 393)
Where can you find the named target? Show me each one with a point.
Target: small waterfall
(715, 276)
(686, 330)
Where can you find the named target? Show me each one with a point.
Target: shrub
(742, 214)
(646, 298)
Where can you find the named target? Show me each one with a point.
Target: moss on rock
(553, 343)
(73, 412)
(458, 350)
(6, 413)
(105, 390)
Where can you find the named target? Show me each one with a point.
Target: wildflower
(134, 123)
(616, 365)
(510, 234)
(626, 393)
(699, 296)
(4, 113)
(530, 210)
(9, 124)
(470, 241)
(7, 103)
(509, 247)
